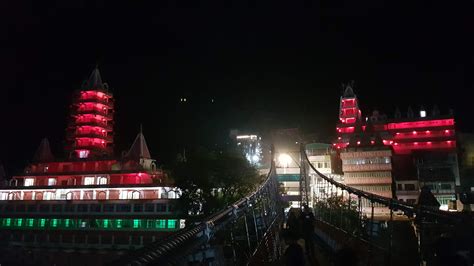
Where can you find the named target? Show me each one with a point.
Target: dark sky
(266, 65)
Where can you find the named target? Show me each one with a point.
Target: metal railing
(175, 248)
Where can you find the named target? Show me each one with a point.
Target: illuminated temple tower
(400, 155)
(92, 204)
(90, 133)
(349, 115)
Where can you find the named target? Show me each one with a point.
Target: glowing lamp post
(284, 160)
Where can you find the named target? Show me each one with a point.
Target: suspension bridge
(249, 231)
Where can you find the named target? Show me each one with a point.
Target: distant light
(212, 100)
(358, 142)
(255, 158)
(284, 160)
(422, 113)
(247, 137)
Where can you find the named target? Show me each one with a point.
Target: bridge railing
(347, 213)
(261, 205)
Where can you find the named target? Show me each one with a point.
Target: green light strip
(103, 224)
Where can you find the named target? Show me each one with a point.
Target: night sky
(265, 65)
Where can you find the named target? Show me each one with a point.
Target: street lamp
(284, 160)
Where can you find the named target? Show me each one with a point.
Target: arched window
(48, 195)
(101, 195)
(171, 195)
(69, 196)
(11, 196)
(39, 196)
(135, 195)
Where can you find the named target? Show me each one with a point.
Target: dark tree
(212, 180)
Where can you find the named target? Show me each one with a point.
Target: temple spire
(139, 148)
(43, 153)
(95, 81)
(348, 91)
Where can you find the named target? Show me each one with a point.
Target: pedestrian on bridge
(307, 222)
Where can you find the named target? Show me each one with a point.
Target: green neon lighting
(18, 222)
(160, 224)
(172, 224)
(123, 224)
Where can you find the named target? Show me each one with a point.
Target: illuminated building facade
(91, 200)
(422, 149)
(251, 146)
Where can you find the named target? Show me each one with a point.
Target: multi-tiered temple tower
(90, 131)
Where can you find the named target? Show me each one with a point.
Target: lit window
(7, 222)
(48, 195)
(42, 222)
(18, 222)
(422, 113)
(160, 224)
(135, 195)
(89, 180)
(102, 180)
(54, 222)
(136, 223)
(83, 154)
(172, 224)
(67, 223)
(119, 223)
(29, 182)
(51, 181)
(106, 223)
(30, 222)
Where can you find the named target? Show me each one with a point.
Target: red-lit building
(422, 150)
(92, 201)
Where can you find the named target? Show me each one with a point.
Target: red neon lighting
(346, 130)
(420, 124)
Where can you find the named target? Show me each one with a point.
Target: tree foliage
(211, 180)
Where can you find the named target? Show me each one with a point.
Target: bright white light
(422, 113)
(255, 158)
(284, 160)
(247, 137)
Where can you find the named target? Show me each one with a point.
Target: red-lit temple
(396, 157)
(91, 201)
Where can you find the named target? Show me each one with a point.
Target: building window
(135, 195)
(103, 180)
(29, 182)
(52, 181)
(409, 186)
(399, 186)
(89, 180)
(172, 224)
(48, 195)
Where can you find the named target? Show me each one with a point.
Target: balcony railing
(109, 103)
(107, 126)
(93, 112)
(73, 135)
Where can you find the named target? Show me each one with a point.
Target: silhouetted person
(294, 254)
(427, 198)
(292, 224)
(307, 224)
